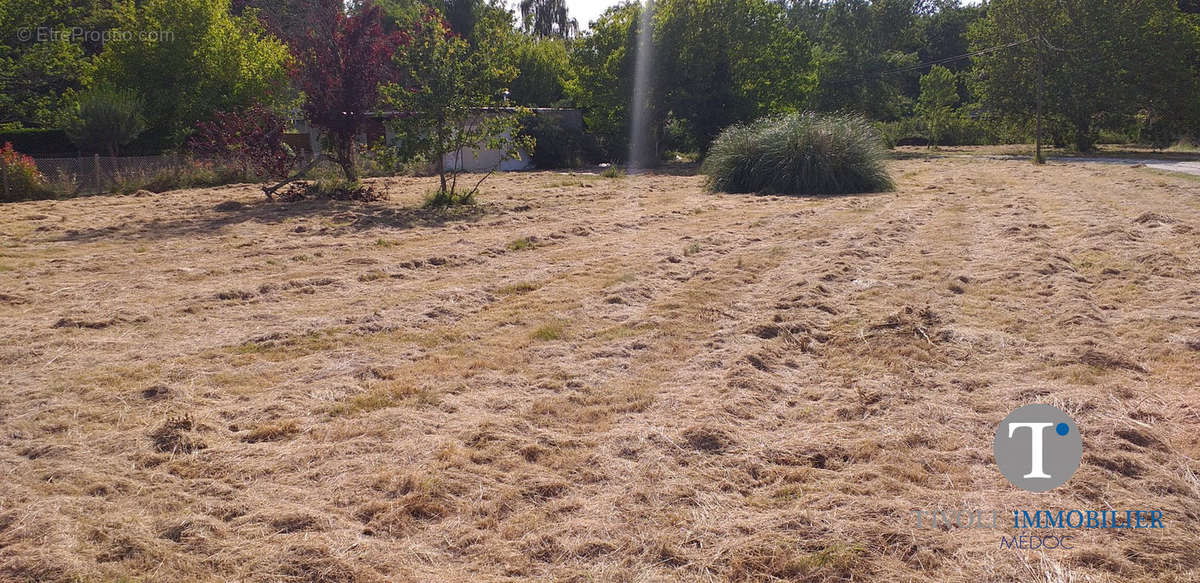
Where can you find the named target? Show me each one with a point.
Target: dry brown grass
(595, 380)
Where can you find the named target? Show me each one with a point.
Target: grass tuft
(383, 396)
(613, 172)
(516, 289)
(522, 244)
(276, 431)
(443, 199)
(550, 332)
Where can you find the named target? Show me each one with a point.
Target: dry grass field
(596, 379)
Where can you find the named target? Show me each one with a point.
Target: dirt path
(595, 379)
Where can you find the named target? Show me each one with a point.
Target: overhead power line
(920, 66)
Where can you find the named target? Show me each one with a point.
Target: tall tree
(603, 61)
(548, 19)
(38, 78)
(193, 58)
(717, 62)
(939, 93)
(545, 72)
(942, 32)
(288, 20)
(729, 61)
(860, 46)
(1092, 58)
(340, 65)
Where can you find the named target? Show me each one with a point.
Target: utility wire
(931, 63)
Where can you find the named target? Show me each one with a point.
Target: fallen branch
(271, 190)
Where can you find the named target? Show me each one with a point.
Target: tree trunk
(1083, 136)
(441, 158)
(346, 159)
(1041, 89)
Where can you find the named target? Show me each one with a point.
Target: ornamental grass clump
(799, 153)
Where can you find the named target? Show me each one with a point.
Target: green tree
(939, 93)
(196, 58)
(1099, 62)
(603, 61)
(40, 74)
(106, 119)
(544, 72)
(717, 62)
(942, 31)
(859, 44)
(473, 20)
(1170, 109)
(448, 93)
(728, 61)
(547, 19)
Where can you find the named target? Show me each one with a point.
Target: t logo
(1033, 458)
(1035, 453)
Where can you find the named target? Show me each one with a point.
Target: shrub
(21, 178)
(554, 144)
(800, 153)
(104, 120)
(958, 129)
(250, 140)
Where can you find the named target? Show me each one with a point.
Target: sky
(586, 11)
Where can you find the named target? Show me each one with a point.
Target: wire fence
(98, 174)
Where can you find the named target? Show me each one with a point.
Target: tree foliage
(547, 19)
(447, 98)
(196, 59)
(38, 79)
(939, 93)
(544, 73)
(1101, 62)
(603, 62)
(288, 20)
(105, 119)
(248, 140)
(717, 62)
(1126, 67)
(340, 65)
(728, 61)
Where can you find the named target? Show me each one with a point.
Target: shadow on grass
(339, 218)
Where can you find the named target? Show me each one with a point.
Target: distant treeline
(924, 70)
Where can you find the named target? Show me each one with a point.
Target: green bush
(20, 176)
(555, 144)
(800, 153)
(958, 130)
(104, 120)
